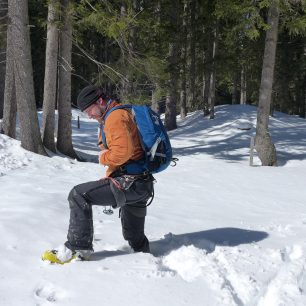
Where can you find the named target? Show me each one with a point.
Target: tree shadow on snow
(206, 240)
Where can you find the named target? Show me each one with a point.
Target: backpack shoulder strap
(126, 106)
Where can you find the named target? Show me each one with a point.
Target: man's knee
(77, 200)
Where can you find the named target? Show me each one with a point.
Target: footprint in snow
(47, 292)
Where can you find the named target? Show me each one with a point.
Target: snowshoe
(64, 255)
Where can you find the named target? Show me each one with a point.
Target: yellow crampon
(52, 257)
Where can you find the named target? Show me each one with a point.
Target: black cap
(89, 95)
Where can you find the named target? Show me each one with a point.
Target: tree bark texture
(235, 97)
(263, 142)
(3, 27)
(126, 81)
(304, 97)
(2, 80)
(10, 105)
(183, 81)
(64, 132)
(50, 77)
(243, 93)
(206, 93)
(212, 80)
(23, 72)
(154, 101)
(171, 100)
(192, 55)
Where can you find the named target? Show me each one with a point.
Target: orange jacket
(122, 140)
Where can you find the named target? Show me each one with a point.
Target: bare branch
(91, 5)
(99, 64)
(65, 61)
(80, 77)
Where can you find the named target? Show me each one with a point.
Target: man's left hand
(101, 153)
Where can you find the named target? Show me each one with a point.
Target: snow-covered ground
(222, 232)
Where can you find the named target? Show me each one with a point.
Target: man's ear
(101, 102)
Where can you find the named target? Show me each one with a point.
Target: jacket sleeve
(118, 138)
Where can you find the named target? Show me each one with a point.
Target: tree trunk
(154, 101)
(300, 82)
(206, 93)
(125, 82)
(155, 96)
(263, 142)
(23, 72)
(170, 114)
(243, 94)
(183, 93)
(50, 77)
(171, 100)
(192, 56)
(2, 80)
(10, 105)
(183, 97)
(212, 80)
(235, 97)
(304, 97)
(3, 22)
(304, 88)
(64, 132)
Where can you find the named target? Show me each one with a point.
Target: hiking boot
(64, 255)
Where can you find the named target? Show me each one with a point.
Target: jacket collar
(110, 105)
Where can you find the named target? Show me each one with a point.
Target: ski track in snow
(283, 269)
(288, 282)
(239, 276)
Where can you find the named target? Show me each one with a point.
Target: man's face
(95, 110)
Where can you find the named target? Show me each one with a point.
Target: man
(118, 189)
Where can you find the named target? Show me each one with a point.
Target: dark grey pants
(104, 193)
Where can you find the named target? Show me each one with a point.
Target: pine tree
(172, 95)
(10, 103)
(64, 131)
(263, 142)
(50, 76)
(23, 73)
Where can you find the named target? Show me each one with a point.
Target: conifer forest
(178, 56)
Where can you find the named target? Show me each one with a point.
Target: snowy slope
(221, 232)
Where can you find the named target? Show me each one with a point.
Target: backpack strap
(131, 167)
(104, 119)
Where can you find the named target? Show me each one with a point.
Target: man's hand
(101, 153)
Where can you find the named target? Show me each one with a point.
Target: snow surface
(221, 232)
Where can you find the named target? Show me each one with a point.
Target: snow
(221, 232)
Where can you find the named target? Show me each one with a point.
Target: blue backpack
(153, 137)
